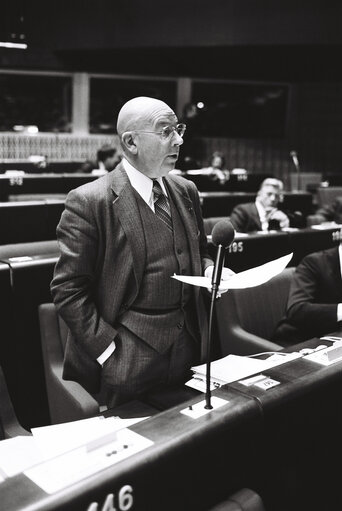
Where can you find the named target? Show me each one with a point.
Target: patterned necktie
(161, 204)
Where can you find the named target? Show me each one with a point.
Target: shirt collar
(141, 183)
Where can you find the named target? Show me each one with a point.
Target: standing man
(263, 214)
(132, 327)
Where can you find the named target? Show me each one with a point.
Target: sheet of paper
(60, 438)
(248, 278)
(17, 454)
(234, 367)
(325, 225)
(73, 466)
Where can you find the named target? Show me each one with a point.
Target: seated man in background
(263, 214)
(107, 159)
(314, 306)
(331, 212)
(216, 171)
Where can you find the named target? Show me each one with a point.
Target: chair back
(67, 399)
(255, 310)
(9, 424)
(243, 500)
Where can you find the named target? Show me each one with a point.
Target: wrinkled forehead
(159, 118)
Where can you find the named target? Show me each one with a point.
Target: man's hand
(225, 275)
(280, 216)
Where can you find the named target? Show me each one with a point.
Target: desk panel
(192, 465)
(303, 419)
(306, 241)
(23, 222)
(41, 183)
(254, 249)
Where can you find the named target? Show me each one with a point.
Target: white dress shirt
(262, 215)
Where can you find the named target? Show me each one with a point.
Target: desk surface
(272, 441)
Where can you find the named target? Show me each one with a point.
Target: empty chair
(242, 500)
(247, 318)
(67, 399)
(9, 424)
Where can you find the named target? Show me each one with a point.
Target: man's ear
(128, 141)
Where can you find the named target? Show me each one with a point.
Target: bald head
(139, 113)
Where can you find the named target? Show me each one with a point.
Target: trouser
(136, 368)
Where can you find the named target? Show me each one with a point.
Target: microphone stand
(296, 164)
(215, 282)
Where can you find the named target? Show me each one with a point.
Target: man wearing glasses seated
(132, 327)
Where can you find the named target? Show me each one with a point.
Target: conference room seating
(67, 400)
(242, 500)
(247, 318)
(9, 424)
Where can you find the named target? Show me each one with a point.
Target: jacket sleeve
(305, 309)
(73, 284)
(239, 219)
(328, 212)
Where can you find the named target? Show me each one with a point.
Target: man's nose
(177, 139)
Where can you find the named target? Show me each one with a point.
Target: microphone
(222, 236)
(294, 157)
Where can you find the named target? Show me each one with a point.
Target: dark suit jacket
(102, 262)
(333, 212)
(245, 218)
(315, 291)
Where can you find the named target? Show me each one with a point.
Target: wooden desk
(283, 442)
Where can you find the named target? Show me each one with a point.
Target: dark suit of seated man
(332, 212)
(263, 214)
(315, 300)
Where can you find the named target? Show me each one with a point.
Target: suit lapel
(127, 212)
(184, 205)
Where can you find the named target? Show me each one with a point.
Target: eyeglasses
(167, 131)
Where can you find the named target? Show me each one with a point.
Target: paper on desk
(73, 466)
(60, 438)
(17, 454)
(244, 279)
(325, 225)
(234, 367)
